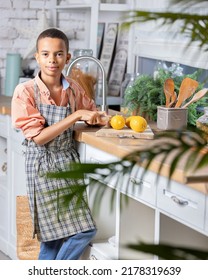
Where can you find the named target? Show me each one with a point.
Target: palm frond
(168, 252)
(172, 148)
(195, 26)
(97, 176)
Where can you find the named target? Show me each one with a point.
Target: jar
(83, 65)
(85, 72)
(160, 65)
(131, 81)
(128, 82)
(126, 85)
(202, 123)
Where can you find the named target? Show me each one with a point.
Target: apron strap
(73, 92)
(36, 95)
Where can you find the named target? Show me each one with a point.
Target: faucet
(104, 86)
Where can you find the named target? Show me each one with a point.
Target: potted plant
(146, 93)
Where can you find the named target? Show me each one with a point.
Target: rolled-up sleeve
(25, 115)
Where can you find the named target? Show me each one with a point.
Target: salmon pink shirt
(25, 114)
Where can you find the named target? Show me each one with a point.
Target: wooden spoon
(187, 88)
(196, 97)
(168, 90)
(173, 100)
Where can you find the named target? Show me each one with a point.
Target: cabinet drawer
(181, 202)
(141, 188)
(3, 126)
(94, 155)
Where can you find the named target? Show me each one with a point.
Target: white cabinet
(155, 212)
(17, 182)
(12, 183)
(4, 126)
(80, 23)
(88, 14)
(4, 187)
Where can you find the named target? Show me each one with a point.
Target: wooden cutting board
(125, 133)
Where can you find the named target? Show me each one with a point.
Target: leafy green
(168, 252)
(147, 93)
(194, 25)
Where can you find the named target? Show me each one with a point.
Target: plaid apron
(51, 220)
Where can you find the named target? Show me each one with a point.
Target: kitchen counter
(120, 147)
(5, 105)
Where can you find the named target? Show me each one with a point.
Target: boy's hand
(99, 118)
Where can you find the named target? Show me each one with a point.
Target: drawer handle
(136, 181)
(93, 160)
(4, 167)
(179, 201)
(92, 257)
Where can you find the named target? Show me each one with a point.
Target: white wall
(16, 15)
(19, 26)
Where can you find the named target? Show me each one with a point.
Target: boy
(45, 109)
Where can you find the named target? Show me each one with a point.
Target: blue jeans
(66, 249)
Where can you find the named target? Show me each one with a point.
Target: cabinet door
(4, 190)
(17, 184)
(81, 147)
(3, 125)
(4, 218)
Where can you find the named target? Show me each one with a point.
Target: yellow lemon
(128, 121)
(138, 123)
(117, 122)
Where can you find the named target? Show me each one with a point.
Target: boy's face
(52, 56)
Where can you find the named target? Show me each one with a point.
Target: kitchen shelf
(111, 100)
(114, 7)
(95, 12)
(104, 250)
(103, 7)
(73, 6)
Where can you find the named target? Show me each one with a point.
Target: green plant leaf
(169, 252)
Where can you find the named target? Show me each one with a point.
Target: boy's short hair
(53, 33)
